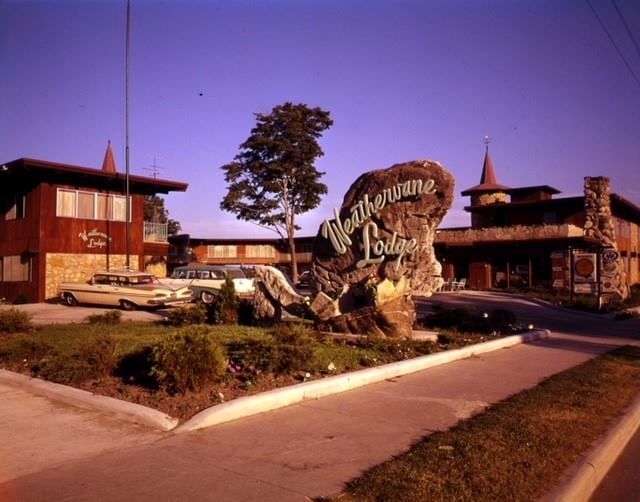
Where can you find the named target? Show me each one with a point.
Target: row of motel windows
(15, 269)
(257, 251)
(91, 205)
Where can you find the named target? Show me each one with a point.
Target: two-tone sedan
(127, 290)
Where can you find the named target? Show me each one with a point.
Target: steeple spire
(488, 174)
(488, 181)
(109, 164)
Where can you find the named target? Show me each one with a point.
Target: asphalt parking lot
(56, 313)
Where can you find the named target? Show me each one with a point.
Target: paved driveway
(306, 450)
(542, 315)
(54, 313)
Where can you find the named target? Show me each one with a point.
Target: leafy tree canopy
(273, 178)
(155, 211)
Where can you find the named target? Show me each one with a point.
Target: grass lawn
(517, 449)
(115, 360)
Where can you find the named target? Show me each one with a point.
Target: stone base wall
(491, 198)
(599, 224)
(61, 267)
(155, 265)
(513, 233)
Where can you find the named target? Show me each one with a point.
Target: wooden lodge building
(524, 237)
(519, 237)
(245, 252)
(60, 222)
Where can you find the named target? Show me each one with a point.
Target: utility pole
(127, 225)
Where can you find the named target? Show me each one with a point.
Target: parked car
(206, 280)
(128, 290)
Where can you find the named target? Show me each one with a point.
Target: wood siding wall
(41, 232)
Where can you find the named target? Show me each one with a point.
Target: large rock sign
(378, 249)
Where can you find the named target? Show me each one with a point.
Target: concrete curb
(83, 399)
(286, 396)
(585, 477)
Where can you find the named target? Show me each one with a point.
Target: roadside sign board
(608, 269)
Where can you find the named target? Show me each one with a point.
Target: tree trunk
(294, 262)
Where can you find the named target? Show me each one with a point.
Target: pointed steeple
(488, 174)
(109, 164)
(488, 181)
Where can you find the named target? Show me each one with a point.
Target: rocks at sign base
(324, 307)
(394, 319)
(274, 293)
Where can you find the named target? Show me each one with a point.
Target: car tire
(70, 300)
(127, 305)
(207, 297)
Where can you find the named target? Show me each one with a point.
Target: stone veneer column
(599, 225)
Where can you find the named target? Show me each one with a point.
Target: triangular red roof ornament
(109, 163)
(488, 174)
(488, 182)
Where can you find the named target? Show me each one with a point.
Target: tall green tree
(273, 178)
(155, 212)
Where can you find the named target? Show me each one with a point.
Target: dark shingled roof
(33, 170)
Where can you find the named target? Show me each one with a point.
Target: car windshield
(236, 273)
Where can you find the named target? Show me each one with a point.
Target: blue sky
(403, 80)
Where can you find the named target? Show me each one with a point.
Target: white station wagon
(206, 280)
(127, 290)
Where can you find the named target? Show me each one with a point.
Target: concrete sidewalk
(306, 450)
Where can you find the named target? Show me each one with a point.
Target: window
(66, 203)
(261, 251)
(104, 206)
(222, 251)
(15, 205)
(91, 205)
(119, 208)
(15, 269)
(86, 205)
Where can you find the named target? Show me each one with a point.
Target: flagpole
(126, 155)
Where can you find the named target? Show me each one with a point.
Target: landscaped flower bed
(182, 370)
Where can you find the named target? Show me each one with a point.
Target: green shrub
(135, 367)
(254, 355)
(25, 349)
(389, 350)
(291, 348)
(95, 359)
(295, 348)
(110, 317)
(229, 302)
(14, 321)
(187, 360)
(186, 315)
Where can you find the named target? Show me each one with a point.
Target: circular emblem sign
(584, 267)
(610, 255)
